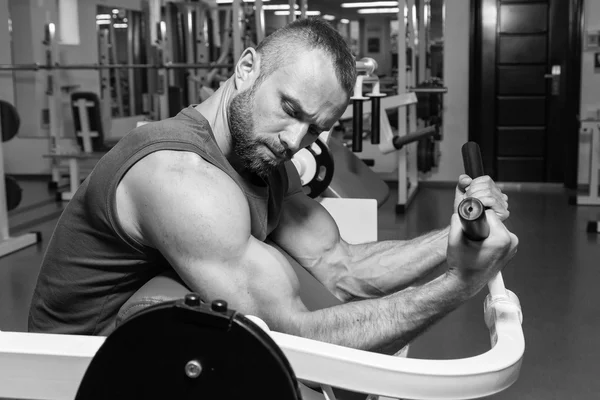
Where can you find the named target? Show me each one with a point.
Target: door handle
(555, 76)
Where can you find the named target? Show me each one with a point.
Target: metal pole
(401, 43)
(237, 34)
(51, 96)
(423, 25)
(292, 14)
(303, 8)
(162, 91)
(4, 233)
(37, 67)
(105, 88)
(190, 54)
(411, 159)
(260, 21)
(130, 60)
(117, 73)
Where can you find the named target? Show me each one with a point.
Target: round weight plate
(431, 153)
(422, 164)
(13, 193)
(10, 120)
(324, 169)
(305, 163)
(426, 154)
(436, 153)
(173, 350)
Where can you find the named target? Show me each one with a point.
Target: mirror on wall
(434, 20)
(120, 41)
(427, 44)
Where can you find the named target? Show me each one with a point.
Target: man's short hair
(308, 34)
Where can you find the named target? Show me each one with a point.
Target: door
(524, 95)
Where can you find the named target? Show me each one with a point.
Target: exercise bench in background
(73, 160)
(89, 133)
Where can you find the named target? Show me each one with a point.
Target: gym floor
(555, 275)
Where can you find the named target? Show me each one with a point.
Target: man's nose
(292, 138)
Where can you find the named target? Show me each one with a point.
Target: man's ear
(247, 69)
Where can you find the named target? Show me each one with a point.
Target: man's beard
(246, 145)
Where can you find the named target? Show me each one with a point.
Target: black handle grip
(400, 141)
(375, 115)
(472, 160)
(357, 129)
(471, 211)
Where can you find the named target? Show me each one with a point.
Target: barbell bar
(37, 66)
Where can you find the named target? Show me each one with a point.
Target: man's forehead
(308, 59)
(308, 74)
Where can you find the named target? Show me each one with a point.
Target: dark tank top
(91, 266)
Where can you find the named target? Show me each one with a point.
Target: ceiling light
(278, 7)
(378, 10)
(328, 17)
(231, 1)
(344, 21)
(308, 13)
(370, 4)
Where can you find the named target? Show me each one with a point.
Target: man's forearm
(375, 323)
(380, 268)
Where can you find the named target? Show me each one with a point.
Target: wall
(590, 89)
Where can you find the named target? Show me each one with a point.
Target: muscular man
(201, 192)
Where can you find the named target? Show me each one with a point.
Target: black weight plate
(147, 357)
(10, 120)
(325, 169)
(14, 193)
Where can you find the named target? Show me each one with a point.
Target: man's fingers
(490, 200)
(500, 232)
(455, 234)
(463, 182)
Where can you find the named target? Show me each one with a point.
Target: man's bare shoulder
(180, 191)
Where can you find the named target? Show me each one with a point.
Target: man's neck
(215, 110)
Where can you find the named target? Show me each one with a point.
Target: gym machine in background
(90, 115)
(180, 37)
(416, 136)
(591, 127)
(352, 179)
(416, 149)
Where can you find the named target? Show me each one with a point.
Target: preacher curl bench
(169, 344)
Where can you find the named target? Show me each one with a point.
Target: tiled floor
(556, 274)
